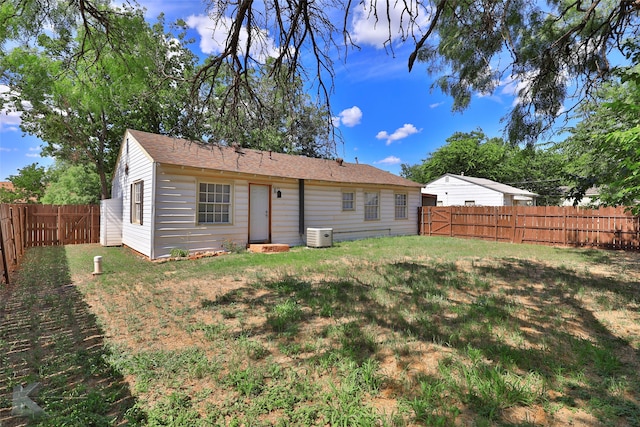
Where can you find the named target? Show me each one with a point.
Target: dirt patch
(558, 338)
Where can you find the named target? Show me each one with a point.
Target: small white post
(97, 265)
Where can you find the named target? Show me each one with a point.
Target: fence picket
(609, 228)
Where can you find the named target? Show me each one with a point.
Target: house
(172, 193)
(590, 198)
(460, 190)
(7, 185)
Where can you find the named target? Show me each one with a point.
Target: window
(371, 206)
(401, 206)
(214, 203)
(348, 201)
(469, 202)
(136, 202)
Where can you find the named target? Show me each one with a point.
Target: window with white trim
(348, 201)
(401, 206)
(136, 202)
(371, 206)
(469, 202)
(214, 203)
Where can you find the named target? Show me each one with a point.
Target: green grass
(380, 332)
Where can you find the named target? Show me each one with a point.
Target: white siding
(134, 165)
(452, 191)
(323, 209)
(111, 222)
(176, 212)
(285, 214)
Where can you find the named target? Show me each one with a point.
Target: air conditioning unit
(319, 237)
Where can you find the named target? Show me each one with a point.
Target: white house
(172, 193)
(460, 190)
(590, 198)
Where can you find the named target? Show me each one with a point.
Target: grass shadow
(48, 335)
(534, 327)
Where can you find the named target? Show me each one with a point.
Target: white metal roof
(493, 185)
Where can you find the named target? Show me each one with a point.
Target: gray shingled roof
(181, 152)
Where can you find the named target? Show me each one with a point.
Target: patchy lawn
(395, 331)
(49, 335)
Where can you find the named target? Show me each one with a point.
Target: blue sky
(386, 115)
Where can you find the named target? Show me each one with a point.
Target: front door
(259, 213)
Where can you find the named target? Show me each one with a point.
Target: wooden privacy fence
(27, 225)
(607, 228)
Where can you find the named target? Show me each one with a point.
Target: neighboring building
(588, 200)
(7, 185)
(460, 190)
(172, 193)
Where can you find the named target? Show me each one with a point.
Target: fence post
(5, 265)
(564, 226)
(514, 215)
(59, 227)
(450, 221)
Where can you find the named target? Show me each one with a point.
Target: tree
(28, 185)
(605, 143)
(555, 50)
(80, 94)
(472, 154)
(475, 154)
(288, 122)
(72, 185)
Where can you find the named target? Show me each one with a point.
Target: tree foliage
(553, 50)
(79, 95)
(72, 185)
(79, 88)
(28, 185)
(474, 154)
(603, 146)
(288, 122)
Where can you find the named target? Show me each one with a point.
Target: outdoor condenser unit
(319, 237)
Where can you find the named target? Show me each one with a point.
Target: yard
(404, 331)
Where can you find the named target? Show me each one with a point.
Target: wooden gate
(436, 222)
(48, 225)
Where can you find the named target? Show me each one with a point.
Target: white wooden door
(259, 213)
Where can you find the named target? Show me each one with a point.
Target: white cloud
(34, 152)
(391, 160)
(400, 133)
(519, 88)
(513, 86)
(9, 120)
(214, 32)
(389, 23)
(436, 105)
(349, 117)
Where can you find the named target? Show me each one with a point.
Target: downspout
(152, 220)
(301, 206)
